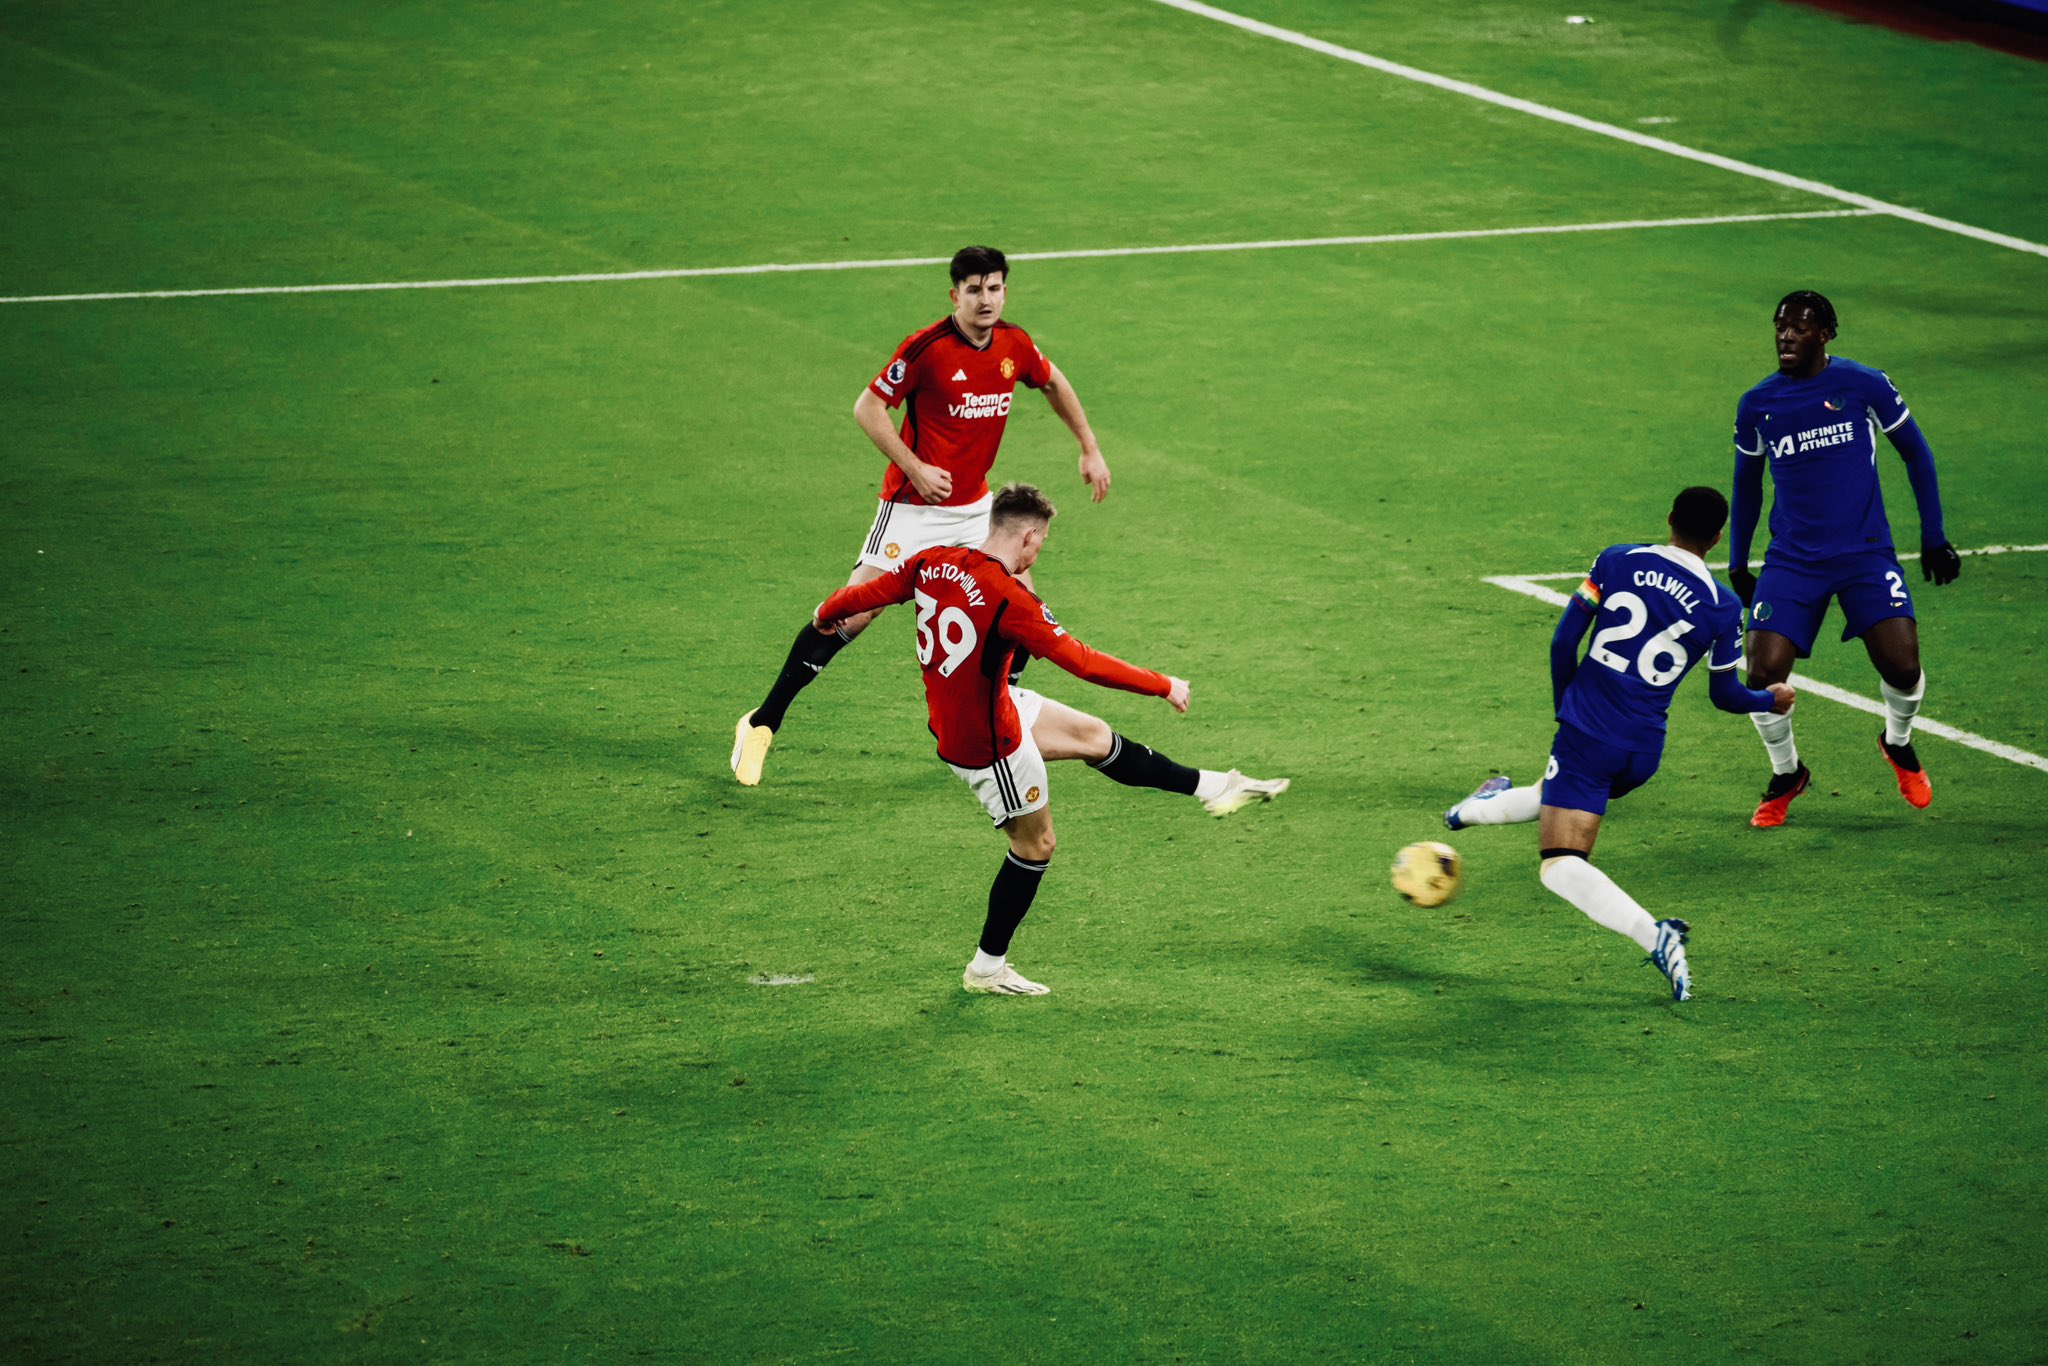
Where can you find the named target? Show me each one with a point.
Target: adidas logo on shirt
(959, 375)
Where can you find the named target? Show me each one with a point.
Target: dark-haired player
(1815, 423)
(973, 613)
(1658, 612)
(954, 381)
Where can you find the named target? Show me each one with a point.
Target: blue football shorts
(1790, 600)
(1585, 774)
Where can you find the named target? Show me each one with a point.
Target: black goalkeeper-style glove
(1743, 582)
(1939, 562)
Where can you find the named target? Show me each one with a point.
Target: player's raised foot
(1669, 956)
(1778, 797)
(1913, 784)
(1492, 787)
(1004, 981)
(749, 748)
(1240, 791)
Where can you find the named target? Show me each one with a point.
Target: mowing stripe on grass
(1525, 585)
(897, 262)
(1608, 130)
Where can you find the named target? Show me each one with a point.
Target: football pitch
(426, 427)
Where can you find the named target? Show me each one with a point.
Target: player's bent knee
(1764, 673)
(1770, 659)
(1902, 674)
(1037, 848)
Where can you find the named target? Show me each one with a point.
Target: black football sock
(808, 657)
(1135, 765)
(1009, 901)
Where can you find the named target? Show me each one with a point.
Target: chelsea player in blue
(1658, 612)
(1815, 423)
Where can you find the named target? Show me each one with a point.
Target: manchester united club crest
(1009, 368)
(1032, 795)
(892, 550)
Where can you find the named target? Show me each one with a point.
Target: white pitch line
(1521, 583)
(1501, 580)
(898, 262)
(1608, 130)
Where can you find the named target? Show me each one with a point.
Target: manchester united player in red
(954, 381)
(974, 612)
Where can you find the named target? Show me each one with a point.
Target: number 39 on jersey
(949, 633)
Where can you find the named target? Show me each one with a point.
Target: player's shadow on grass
(1485, 1011)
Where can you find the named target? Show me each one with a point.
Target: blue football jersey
(1659, 611)
(1819, 437)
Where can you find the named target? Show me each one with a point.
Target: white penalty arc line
(899, 262)
(1608, 130)
(1525, 585)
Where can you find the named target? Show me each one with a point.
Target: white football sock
(1209, 784)
(1899, 710)
(1593, 892)
(1512, 807)
(1776, 733)
(985, 963)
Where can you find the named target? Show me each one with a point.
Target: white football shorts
(1015, 785)
(903, 529)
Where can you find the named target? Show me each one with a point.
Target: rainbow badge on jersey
(1590, 591)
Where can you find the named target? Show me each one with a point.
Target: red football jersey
(956, 400)
(972, 615)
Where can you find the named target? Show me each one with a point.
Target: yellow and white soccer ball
(1429, 873)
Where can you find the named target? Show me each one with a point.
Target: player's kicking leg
(1894, 647)
(1497, 801)
(1065, 733)
(807, 659)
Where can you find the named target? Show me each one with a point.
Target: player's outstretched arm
(1060, 394)
(1938, 559)
(1177, 693)
(1106, 670)
(933, 484)
(1727, 693)
(1030, 625)
(893, 587)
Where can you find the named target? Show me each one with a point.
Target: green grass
(382, 919)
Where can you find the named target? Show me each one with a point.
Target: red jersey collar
(954, 323)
